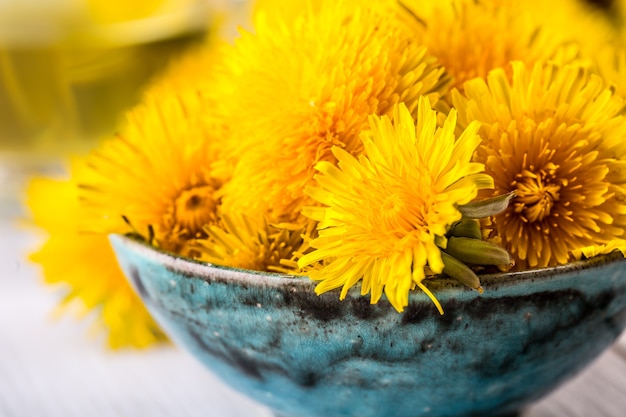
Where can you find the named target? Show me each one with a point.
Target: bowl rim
(213, 272)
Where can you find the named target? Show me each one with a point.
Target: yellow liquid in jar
(57, 97)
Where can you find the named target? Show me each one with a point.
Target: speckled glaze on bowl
(272, 338)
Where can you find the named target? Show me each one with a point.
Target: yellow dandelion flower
(595, 250)
(470, 38)
(305, 82)
(86, 265)
(385, 215)
(190, 79)
(556, 137)
(610, 63)
(241, 241)
(156, 174)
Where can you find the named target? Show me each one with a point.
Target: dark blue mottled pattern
(273, 339)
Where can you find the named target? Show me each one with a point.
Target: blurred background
(70, 68)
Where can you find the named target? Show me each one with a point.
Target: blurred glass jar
(69, 68)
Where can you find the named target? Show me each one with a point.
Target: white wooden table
(50, 368)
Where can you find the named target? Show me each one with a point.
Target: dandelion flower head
(384, 215)
(157, 173)
(555, 136)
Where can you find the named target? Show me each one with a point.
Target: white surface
(50, 368)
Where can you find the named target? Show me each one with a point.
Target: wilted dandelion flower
(305, 82)
(385, 215)
(86, 266)
(556, 137)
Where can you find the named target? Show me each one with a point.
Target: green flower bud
(487, 207)
(477, 252)
(459, 271)
(466, 228)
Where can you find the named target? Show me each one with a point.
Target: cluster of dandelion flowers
(85, 265)
(555, 136)
(384, 216)
(308, 82)
(157, 174)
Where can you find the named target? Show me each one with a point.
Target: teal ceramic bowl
(270, 337)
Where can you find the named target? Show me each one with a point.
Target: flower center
(194, 208)
(399, 217)
(537, 192)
